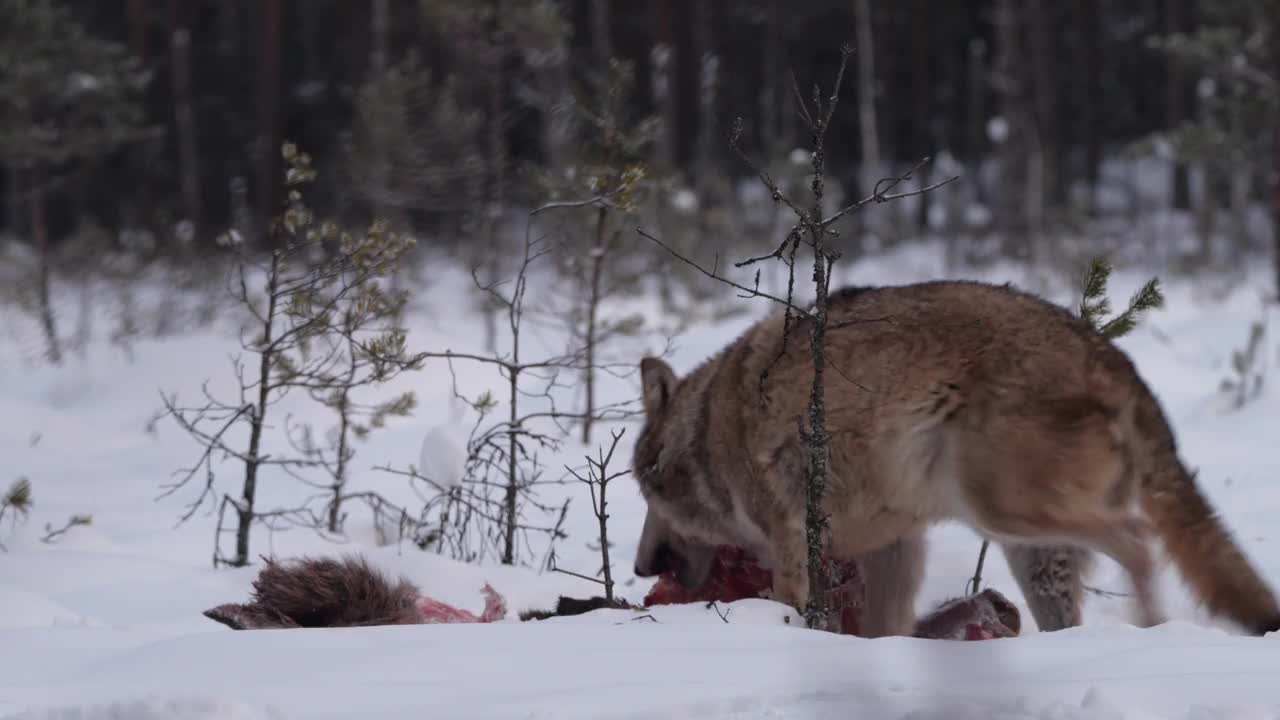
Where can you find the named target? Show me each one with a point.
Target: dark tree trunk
(976, 114)
(269, 140)
(1275, 198)
(593, 309)
(663, 58)
(228, 27)
(1275, 151)
(138, 28)
(771, 92)
(1015, 104)
(40, 237)
(381, 25)
(184, 115)
(869, 135)
(1089, 18)
(1045, 91)
(13, 199)
(601, 38)
(496, 153)
(709, 67)
(922, 141)
(1176, 104)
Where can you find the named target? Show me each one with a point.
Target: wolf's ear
(659, 382)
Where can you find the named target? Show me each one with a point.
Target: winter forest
(398, 359)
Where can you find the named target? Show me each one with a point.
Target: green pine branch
(1094, 305)
(18, 497)
(1093, 302)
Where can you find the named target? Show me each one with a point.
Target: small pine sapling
(313, 278)
(1249, 367)
(611, 170)
(16, 502)
(1094, 307)
(1094, 304)
(353, 340)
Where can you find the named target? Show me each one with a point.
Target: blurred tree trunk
(13, 198)
(496, 153)
(228, 27)
(870, 170)
(662, 59)
(1089, 21)
(136, 11)
(771, 88)
(184, 116)
(1274, 31)
(269, 139)
(552, 79)
(313, 37)
(924, 122)
(601, 40)
(380, 23)
(1175, 18)
(138, 28)
(1012, 83)
(709, 65)
(976, 115)
(1045, 89)
(497, 109)
(40, 238)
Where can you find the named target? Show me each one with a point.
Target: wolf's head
(666, 481)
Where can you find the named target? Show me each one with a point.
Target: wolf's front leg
(1052, 582)
(892, 577)
(791, 570)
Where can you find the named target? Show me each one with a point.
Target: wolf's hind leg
(892, 578)
(1051, 578)
(1122, 537)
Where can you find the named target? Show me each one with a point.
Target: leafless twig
(597, 482)
(51, 533)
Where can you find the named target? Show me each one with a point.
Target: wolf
(945, 400)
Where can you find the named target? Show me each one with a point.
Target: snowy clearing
(105, 622)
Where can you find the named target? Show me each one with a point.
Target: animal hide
(346, 592)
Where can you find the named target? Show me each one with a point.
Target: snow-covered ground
(105, 622)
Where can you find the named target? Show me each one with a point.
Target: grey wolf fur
(945, 400)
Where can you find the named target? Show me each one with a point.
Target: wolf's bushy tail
(1201, 546)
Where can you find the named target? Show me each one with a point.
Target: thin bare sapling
(597, 481)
